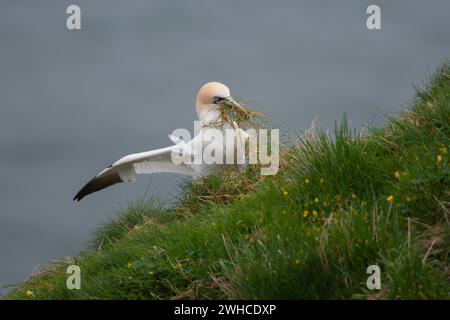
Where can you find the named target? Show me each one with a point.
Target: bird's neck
(210, 116)
(204, 109)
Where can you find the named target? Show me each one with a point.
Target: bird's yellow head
(210, 95)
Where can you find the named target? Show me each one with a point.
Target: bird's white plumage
(160, 160)
(154, 161)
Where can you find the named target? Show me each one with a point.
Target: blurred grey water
(73, 101)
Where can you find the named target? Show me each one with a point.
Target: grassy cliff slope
(341, 202)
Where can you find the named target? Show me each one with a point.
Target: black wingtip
(80, 194)
(97, 183)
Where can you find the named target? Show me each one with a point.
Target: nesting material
(239, 118)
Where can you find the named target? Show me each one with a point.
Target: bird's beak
(235, 104)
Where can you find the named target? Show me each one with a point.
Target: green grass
(341, 202)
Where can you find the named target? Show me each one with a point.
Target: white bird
(208, 98)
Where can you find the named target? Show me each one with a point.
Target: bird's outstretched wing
(139, 163)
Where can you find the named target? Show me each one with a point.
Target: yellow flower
(306, 181)
(30, 293)
(321, 180)
(129, 264)
(305, 213)
(397, 174)
(285, 192)
(390, 199)
(408, 199)
(177, 266)
(298, 261)
(314, 213)
(438, 158)
(443, 149)
(316, 200)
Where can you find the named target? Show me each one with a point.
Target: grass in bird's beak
(243, 118)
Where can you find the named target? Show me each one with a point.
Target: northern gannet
(209, 97)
